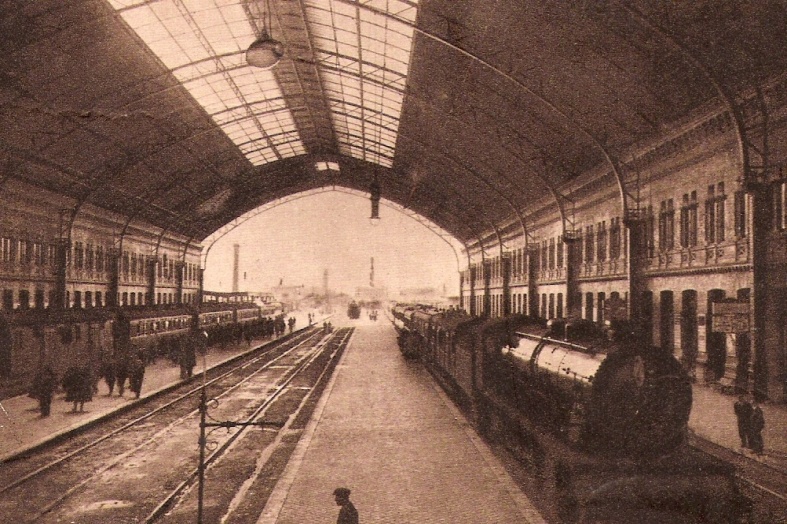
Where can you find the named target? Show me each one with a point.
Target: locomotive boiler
(616, 398)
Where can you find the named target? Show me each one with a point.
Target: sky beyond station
(295, 242)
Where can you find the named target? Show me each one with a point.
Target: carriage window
(24, 299)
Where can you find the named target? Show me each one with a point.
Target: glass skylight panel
(364, 49)
(203, 43)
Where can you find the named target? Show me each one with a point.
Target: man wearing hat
(348, 513)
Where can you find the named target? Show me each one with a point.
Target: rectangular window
(5, 243)
(551, 253)
(25, 252)
(614, 238)
(100, 259)
(601, 242)
(684, 221)
(559, 248)
(88, 299)
(39, 298)
(90, 258)
(544, 254)
(650, 231)
(77, 299)
(663, 226)
(79, 254)
(51, 257)
(670, 229)
(38, 253)
(693, 219)
(133, 264)
(710, 216)
(98, 299)
(740, 213)
(720, 223)
(126, 264)
(589, 240)
(24, 299)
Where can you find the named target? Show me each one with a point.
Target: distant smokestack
(235, 267)
(371, 275)
(327, 292)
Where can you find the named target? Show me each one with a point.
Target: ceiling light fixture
(266, 51)
(374, 196)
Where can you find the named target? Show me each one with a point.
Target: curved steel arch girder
(485, 181)
(273, 169)
(611, 160)
(728, 98)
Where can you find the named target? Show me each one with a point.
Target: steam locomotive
(353, 310)
(602, 419)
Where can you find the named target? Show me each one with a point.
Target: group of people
(80, 382)
(117, 370)
(751, 422)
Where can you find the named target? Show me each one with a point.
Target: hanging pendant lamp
(265, 52)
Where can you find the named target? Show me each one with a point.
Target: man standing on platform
(757, 425)
(743, 412)
(348, 513)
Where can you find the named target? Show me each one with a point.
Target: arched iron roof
(147, 107)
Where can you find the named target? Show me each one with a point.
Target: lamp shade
(265, 52)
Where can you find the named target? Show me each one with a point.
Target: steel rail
(120, 458)
(219, 452)
(16, 483)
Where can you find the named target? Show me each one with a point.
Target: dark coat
(44, 384)
(348, 514)
(78, 385)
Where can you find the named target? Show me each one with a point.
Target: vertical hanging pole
(203, 408)
(203, 412)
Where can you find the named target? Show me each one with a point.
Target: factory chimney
(235, 268)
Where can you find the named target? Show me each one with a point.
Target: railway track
(763, 484)
(134, 466)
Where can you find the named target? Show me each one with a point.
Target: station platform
(387, 432)
(22, 428)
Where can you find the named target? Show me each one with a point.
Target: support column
(505, 263)
(573, 265)
(200, 283)
(61, 272)
(762, 309)
(461, 290)
(150, 273)
(114, 277)
(532, 279)
(473, 276)
(637, 262)
(179, 270)
(487, 269)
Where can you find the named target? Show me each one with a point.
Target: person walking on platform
(348, 514)
(78, 386)
(44, 385)
(121, 372)
(108, 372)
(757, 425)
(743, 412)
(136, 372)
